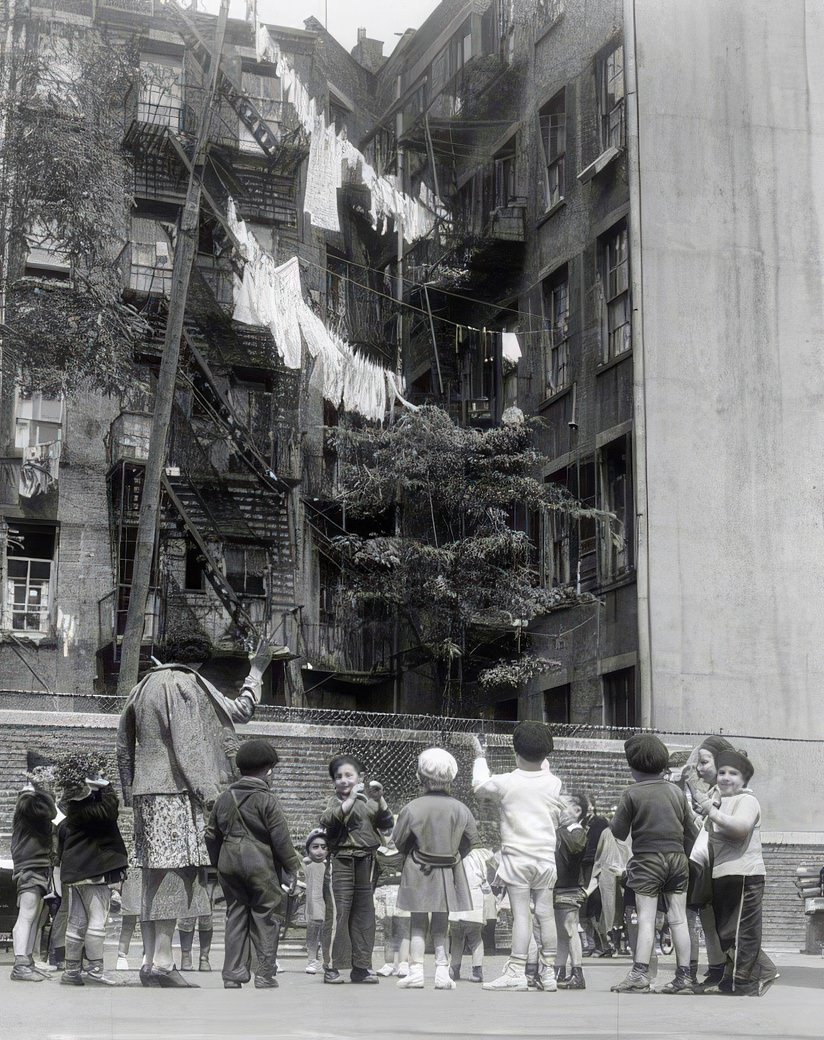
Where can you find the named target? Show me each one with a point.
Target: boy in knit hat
(530, 806)
(248, 841)
(656, 814)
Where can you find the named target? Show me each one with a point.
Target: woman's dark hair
(342, 760)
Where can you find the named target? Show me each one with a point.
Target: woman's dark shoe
(171, 979)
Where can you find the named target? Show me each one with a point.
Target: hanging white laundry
(510, 347)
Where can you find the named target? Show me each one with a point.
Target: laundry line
(271, 295)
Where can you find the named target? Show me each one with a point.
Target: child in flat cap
(248, 841)
(738, 875)
(657, 815)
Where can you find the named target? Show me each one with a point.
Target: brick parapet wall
(591, 765)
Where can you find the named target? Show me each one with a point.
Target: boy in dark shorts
(656, 814)
(32, 855)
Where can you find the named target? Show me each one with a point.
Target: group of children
(430, 875)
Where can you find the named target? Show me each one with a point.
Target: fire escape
(210, 509)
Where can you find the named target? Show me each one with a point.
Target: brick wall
(596, 766)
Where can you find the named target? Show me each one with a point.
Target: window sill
(556, 396)
(619, 582)
(605, 366)
(605, 159)
(35, 638)
(544, 217)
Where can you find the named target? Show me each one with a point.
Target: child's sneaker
(72, 977)
(386, 970)
(122, 963)
(682, 983)
(513, 978)
(333, 977)
(413, 980)
(403, 969)
(312, 967)
(575, 981)
(94, 973)
(637, 981)
(443, 980)
(477, 974)
(204, 965)
(546, 980)
(24, 972)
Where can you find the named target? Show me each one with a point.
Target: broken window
(45, 256)
(264, 89)
(620, 708)
(505, 176)
(160, 99)
(29, 572)
(152, 257)
(245, 568)
(611, 98)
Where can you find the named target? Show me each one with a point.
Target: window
(264, 91)
(45, 256)
(616, 495)
(37, 419)
(614, 275)
(505, 182)
(555, 305)
(29, 560)
(245, 566)
(586, 571)
(328, 590)
(620, 708)
(557, 555)
(193, 578)
(557, 704)
(553, 140)
(152, 258)
(160, 100)
(611, 98)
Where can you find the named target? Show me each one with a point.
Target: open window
(553, 142)
(620, 706)
(264, 88)
(160, 99)
(30, 556)
(610, 72)
(616, 496)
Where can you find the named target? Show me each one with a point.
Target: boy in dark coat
(248, 841)
(32, 855)
(92, 857)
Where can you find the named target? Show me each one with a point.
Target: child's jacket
(32, 838)
(247, 836)
(90, 844)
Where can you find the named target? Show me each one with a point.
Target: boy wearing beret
(248, 841)
(656, 814)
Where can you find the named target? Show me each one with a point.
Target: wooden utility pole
(185, 249)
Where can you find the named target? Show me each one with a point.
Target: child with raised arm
(530, 805)
(353, 823)
(656, 814)
(434, 832)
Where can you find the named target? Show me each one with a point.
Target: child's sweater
(359, 832)
(529, 804)
(89, 842)
(657, 815)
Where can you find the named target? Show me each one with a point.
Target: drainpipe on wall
(638, 367)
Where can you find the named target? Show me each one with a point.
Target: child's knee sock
(74, 948)
(204, 937)
(95, 938)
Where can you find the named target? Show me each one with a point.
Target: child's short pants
(651, 873)
(35, 879)
(519, 871)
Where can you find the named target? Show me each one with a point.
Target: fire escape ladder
(239, 100)
(225, 593)
(239, 434)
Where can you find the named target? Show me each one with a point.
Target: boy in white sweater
(530, 804)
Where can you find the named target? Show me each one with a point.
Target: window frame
(611, 98)
(162, 103)
(610, 687)
(553, 138)
(615, 277)
(615, 561)
(557, 334)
